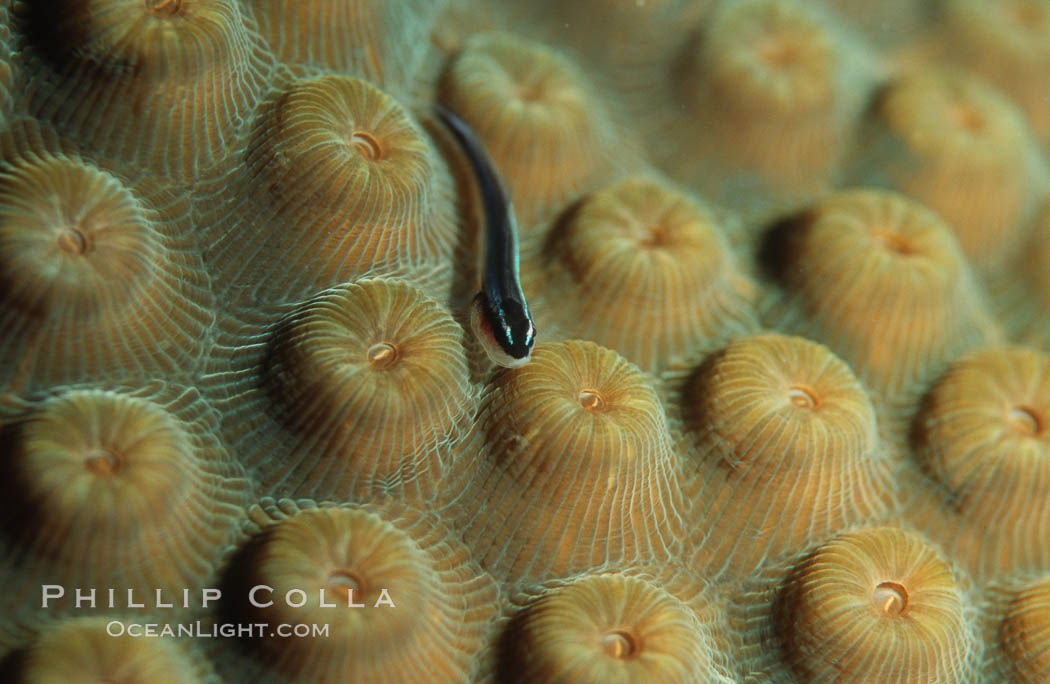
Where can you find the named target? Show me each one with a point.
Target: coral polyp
(352, 140)
(83, 649)
(963, 150)
(777, 53)
(575, 466)
(608, 35)
(637, 252)
(94, 242)
(984, 435)
(612, 628)
(380, 198)
(81, 251)
(372, 380)
(1004, 389)
(421, 605)
(114, 489)
(157, 85)
(881, 280)
(777, 423)
(774, 87)
(879, 604)
(890, 589)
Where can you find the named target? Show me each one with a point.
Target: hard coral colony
(787, 417)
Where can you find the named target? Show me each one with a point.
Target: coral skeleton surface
(787, 414)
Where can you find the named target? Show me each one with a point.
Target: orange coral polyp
(352, 143)
(85, 649)
(140, 38)
(576, 466)
(779, 423)
(637, 253)
(379, 202)
(373, 375)
(773, 87)
(328, 552)
(881, 280)
(981, 433)
(610, 628)
(877, 603)
(91, 459)
(981, 430)
(71, 234)
(770, 55)
(137, 475)
(402, 600)
(966, 152)
(81, 251)
(793, 385)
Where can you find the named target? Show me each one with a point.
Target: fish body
(500, 315)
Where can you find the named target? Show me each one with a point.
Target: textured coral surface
(788, 414)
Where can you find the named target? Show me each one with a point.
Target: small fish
(499, 314)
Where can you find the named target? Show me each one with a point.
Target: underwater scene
(578, 341)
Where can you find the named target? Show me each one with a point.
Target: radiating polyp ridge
(118, 489)
(642, 267)
(1023, 631)
(81, 650)
(372, 379)
(963, 150)
(94, 278)
(535, 114)
(7, 70)
(984, 435)
(880, 280)
(157, 85)
(612, 627)
(570, 466)
(378, 200)
(384, 41)
(367, 555)
(773, 424)
(876, 604)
